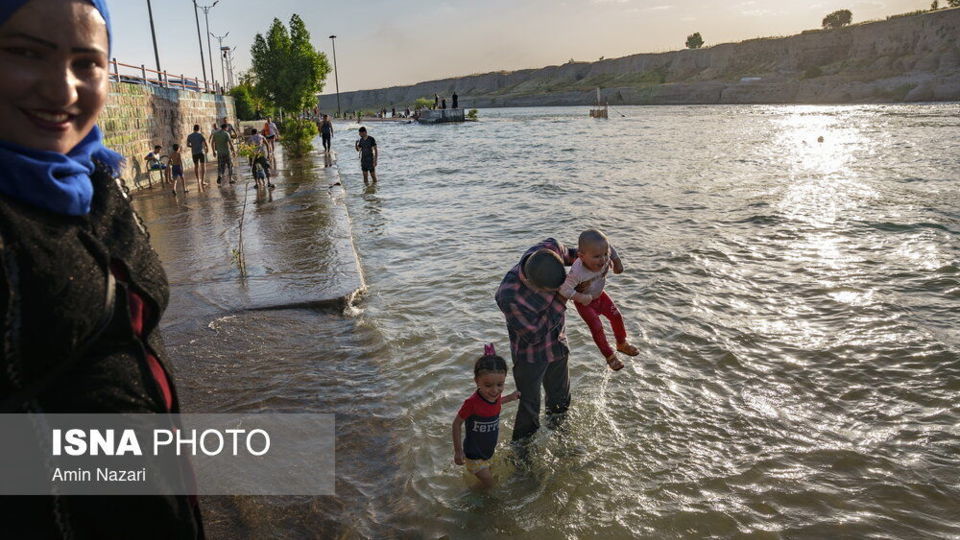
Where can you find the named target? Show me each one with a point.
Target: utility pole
(203, 65)
(228, 55)
(206, 17)
(336, 78)
(153, 33)
(223, 74)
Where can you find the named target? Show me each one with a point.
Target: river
(795, 303)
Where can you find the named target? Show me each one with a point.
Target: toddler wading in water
(585, 283)
(481, 413)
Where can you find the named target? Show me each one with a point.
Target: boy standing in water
(326, 132)
(585, 283)
(367, 146)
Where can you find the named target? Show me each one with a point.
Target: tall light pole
(153, 33)
(336, 78)
(228, 56)
(203, 65)
(223, 73)
(206, 17)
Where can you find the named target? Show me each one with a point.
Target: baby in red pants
(585, 282)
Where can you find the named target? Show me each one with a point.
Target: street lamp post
(153, 33)
(206, 17)
(223, 73)
(336, 78)
(203, 64)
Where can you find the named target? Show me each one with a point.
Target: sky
(383, 43)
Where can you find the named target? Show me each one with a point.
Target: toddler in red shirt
(481, 413)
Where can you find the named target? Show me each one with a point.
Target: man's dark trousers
(529, 377)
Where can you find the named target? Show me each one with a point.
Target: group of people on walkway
(222, 141)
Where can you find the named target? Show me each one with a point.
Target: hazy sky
(392, 42)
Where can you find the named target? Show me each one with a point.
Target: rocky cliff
(903, 59)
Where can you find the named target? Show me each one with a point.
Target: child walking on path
(176, 163)
(585, 283)
(481, 413)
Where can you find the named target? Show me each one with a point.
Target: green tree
(290, 73)
(244, 102)
(837, 19)
(694, 41)
(935, 5)
(954, 3)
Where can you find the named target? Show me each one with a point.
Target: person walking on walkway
(198, 147)
(270, 132)
(223, 150)
(367, 146)
(326, 132)
(230, 129)
(535, 314)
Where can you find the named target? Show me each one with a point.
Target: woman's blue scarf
(56, 182)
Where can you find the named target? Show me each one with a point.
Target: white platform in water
(436, 116)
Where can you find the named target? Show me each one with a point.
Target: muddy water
(795, 303)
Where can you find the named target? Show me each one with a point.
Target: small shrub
(472, 114)
(812, 72)
(298, 135)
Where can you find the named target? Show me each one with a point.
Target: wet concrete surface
(281, 337)
(295, 240)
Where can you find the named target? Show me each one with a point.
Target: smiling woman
(81, 290)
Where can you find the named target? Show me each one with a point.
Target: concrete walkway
(296, 240)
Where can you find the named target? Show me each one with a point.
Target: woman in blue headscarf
(81, 290)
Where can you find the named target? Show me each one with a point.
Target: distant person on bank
(455, 100)
(197, 144)
(326, 132)
(82, 293)
(367, 146)
(223, 151)
(535, 313)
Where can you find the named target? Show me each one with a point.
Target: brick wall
(137, 117)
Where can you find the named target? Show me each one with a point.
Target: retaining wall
(136, 117)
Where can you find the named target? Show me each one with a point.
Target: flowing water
(795, 303)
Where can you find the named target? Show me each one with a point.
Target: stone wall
(904, 59)
(137, 117)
